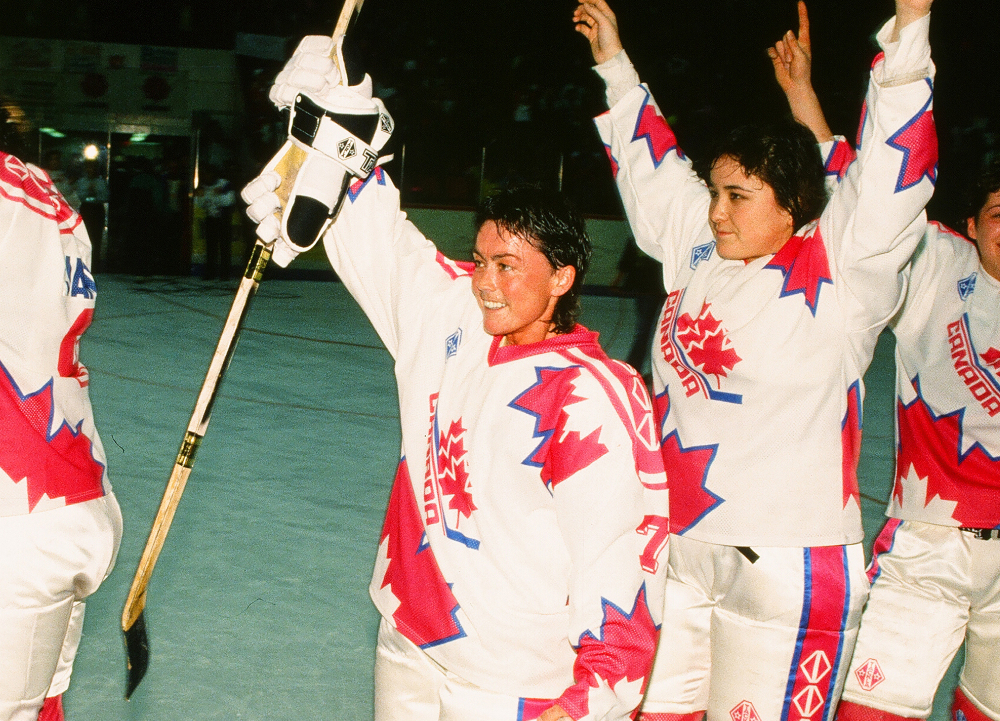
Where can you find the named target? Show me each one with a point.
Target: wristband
(340, 135)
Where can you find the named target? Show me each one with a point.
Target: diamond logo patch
(816, 667)
(346, 148)
(808, 701)
(869, 674)
(744, 711)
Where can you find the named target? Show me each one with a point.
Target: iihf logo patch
(700, 253)
(966, 286)
(451, 345)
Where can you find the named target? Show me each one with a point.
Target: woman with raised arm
(936, 572)
(774, 306)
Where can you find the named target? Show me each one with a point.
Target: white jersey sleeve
(393, 271)
(667, 208)
(872, 228)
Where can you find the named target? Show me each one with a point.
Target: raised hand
(907, 11)
(594, 20)
(792, 57)
(792, 60)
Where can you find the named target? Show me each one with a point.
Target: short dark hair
(986, 182)
(783, 155)
(14, 130)
(549, 222)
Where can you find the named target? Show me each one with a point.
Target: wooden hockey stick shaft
(133, 618)
(133, 623)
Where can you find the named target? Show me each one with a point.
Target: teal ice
(258, 608)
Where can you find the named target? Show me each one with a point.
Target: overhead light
(91, 151)
(52, 132)
(138, 137)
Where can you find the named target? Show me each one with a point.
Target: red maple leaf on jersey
(623, 652)
(850, 440)
(687, 471)
(917, 140)
(452, 472)
(427, 607)
(654, 129)
(933, 446)
(561, 453)
(804, 263)
(840, 159)
(57, 465)
(992, 358)
(705, 342)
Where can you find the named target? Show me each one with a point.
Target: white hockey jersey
(948, 387)
(758, 366)
(524, 543)
(51, 455)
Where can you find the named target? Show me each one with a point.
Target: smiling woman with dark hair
(519, 573)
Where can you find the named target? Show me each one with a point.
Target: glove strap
(340, 135)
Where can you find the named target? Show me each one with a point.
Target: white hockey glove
(341, 130)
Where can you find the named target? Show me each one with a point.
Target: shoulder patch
(700, 253)
(966, 286)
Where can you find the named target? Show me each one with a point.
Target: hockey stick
(133, 615)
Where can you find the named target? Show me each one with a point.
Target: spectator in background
(92, 192)
(217, 198)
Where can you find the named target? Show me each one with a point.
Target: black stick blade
(136, 653)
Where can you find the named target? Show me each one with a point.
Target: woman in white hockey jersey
(936, 570)
(770, 322)
(60, 525)
(519, 573)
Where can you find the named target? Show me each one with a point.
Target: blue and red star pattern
(839, 160)
(633, 634)
(358, 185)
(804, 263)
(560, 453)
(654, 129)
(861, 126)
(612, 160)
(918, 142)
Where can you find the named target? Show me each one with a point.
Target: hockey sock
(52, 709)
(964, 710)
(848, 711)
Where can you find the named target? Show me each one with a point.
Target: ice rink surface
(258, 608)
